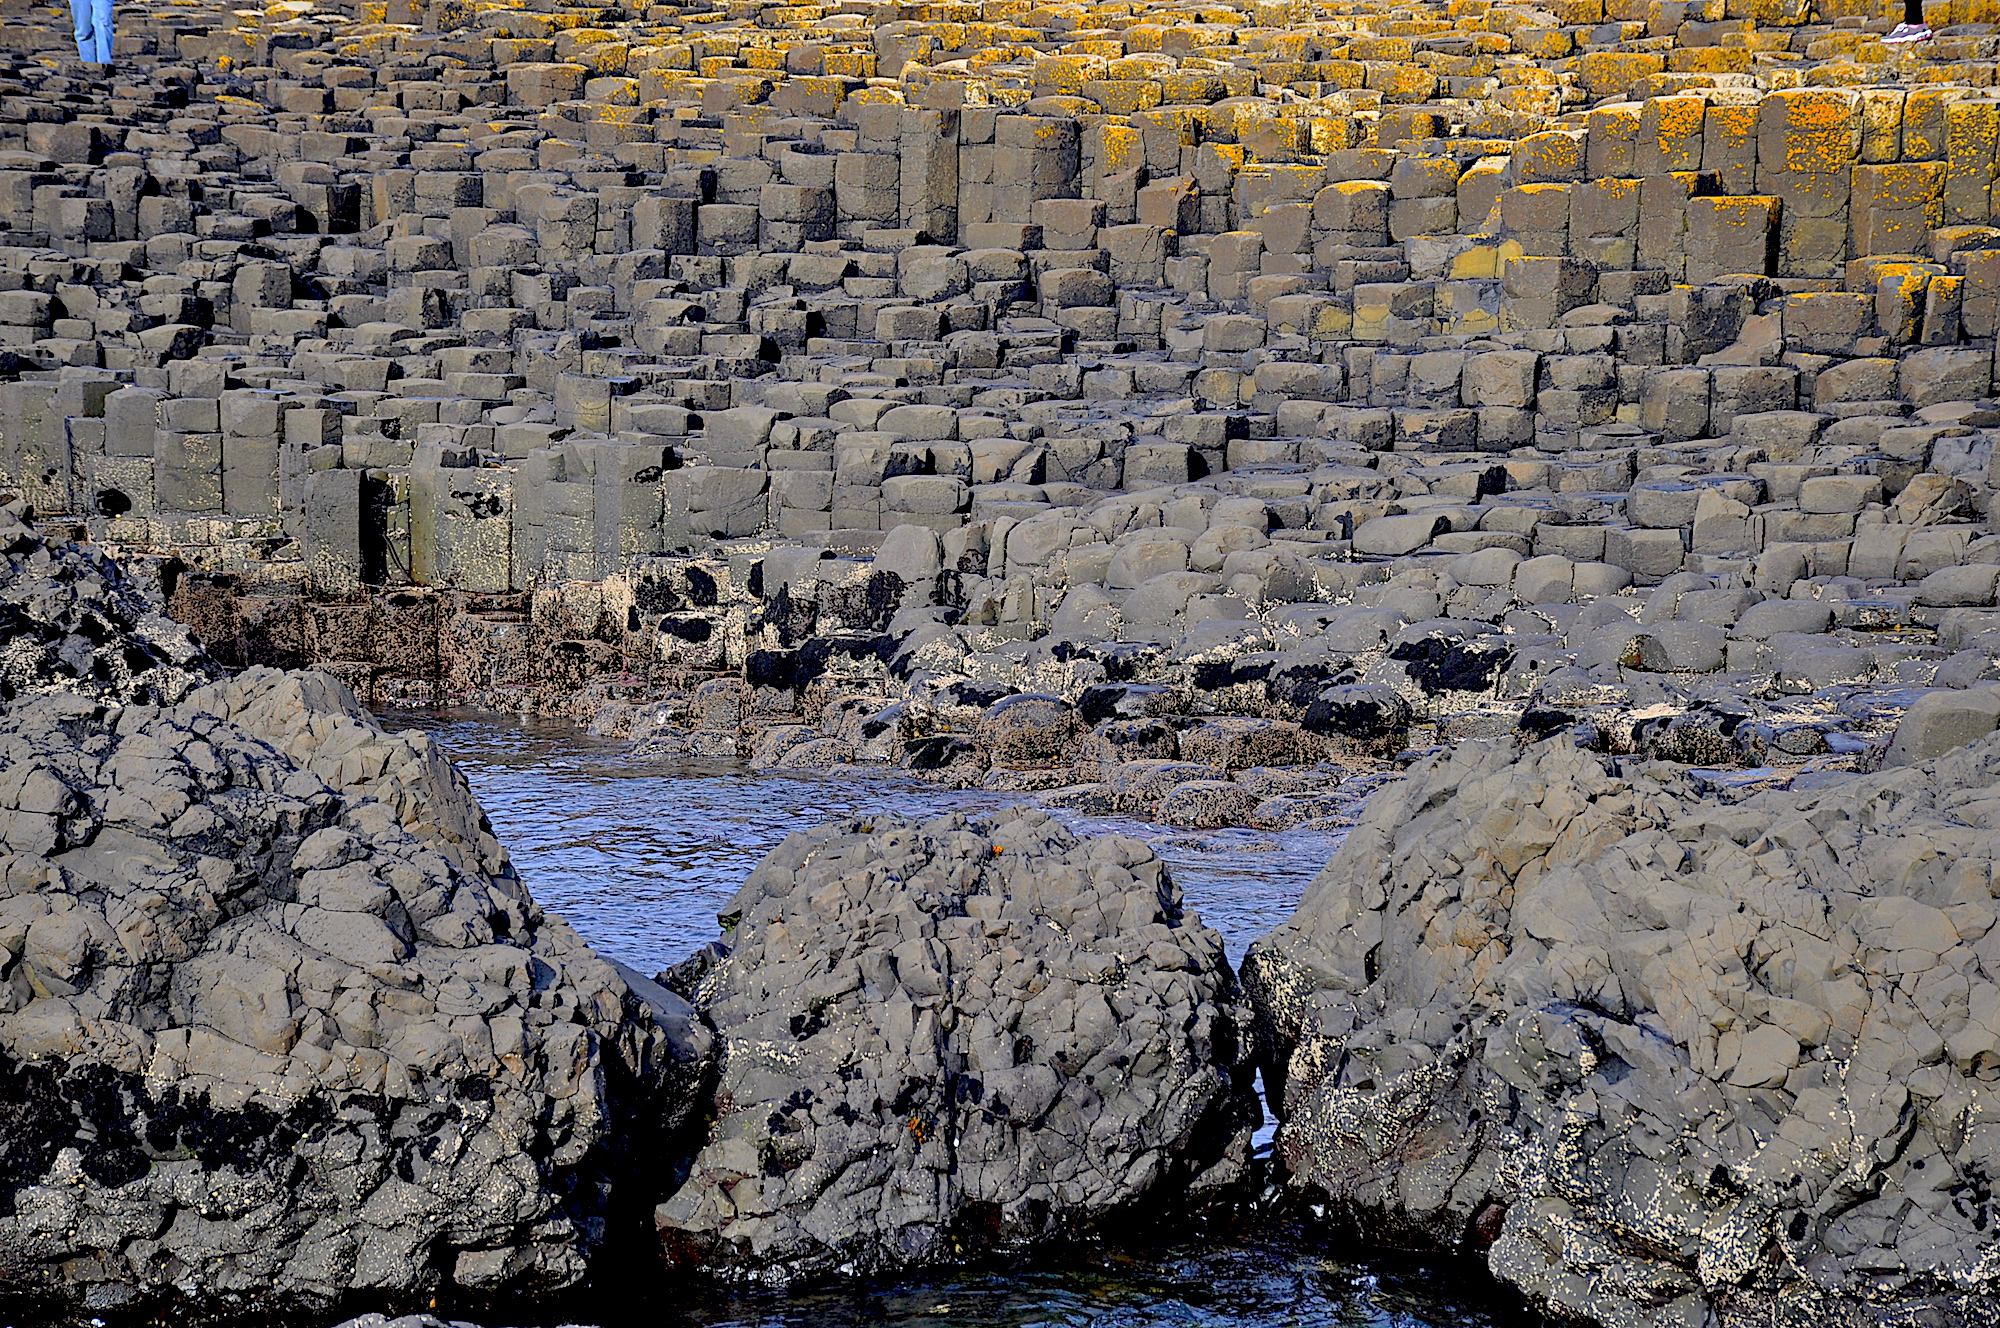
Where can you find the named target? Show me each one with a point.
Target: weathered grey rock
(1394, 535)
(1661, 1058)
(1204, 804)
(944, 1037)
(73, 620)
(1940, 721)
(279, 1024)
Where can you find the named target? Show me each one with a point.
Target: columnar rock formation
(1179, 409)
(1247, 351)
(280, 1028)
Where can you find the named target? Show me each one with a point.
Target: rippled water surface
(640, 856)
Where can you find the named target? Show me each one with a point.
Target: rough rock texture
(73, 621)
(1669, 1059)
(278, 1022)
(958, 1034)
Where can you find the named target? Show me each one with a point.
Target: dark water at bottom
(1274, 1280)
(640, 856)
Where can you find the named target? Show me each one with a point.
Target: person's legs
(82, 15)
(104, 26)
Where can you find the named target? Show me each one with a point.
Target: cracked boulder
(958, 1035)
(1663, 1058)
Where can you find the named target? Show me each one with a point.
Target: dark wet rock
(1368, 716)
(1438, 665)
(1237, 742)
(1292, 684)
(945, 758)
(1030, 728)
(1090, 799)
(953, 1036)
(1137, 786)
(816, 754)
(1002, 779)
(1702, 736)
(1127, 701)
(1288, 811)
(968, 698)
(1535, 724)
(1205, 804)
(1118, 741)
(1267, 781)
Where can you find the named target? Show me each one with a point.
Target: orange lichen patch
(1812, 129)
(1899, 297)
(1671, 132)
(1120, 149)
(987, 57)
(1543, 43)
(1554, 156)
(1123, 96)
(1141, 67)
(1191, 89)
(1394, 49)
(1839, 75)
(1972, 131)
(1900, 184)
(1332, 134)
(1404, 83)
(1744, 211)
(1607, 72)
(1342, 73)
(1710, 60)
(1065, 75)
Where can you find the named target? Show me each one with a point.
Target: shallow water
(639, 856)
(1269, 1281)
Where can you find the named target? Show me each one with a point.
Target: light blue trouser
(93, 30)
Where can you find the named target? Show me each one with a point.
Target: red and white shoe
(1908, 32)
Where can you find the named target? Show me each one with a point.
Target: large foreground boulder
(943, 1037)
(1667, 1060)
(279, 1024)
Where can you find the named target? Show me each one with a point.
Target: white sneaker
(1908, 32)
